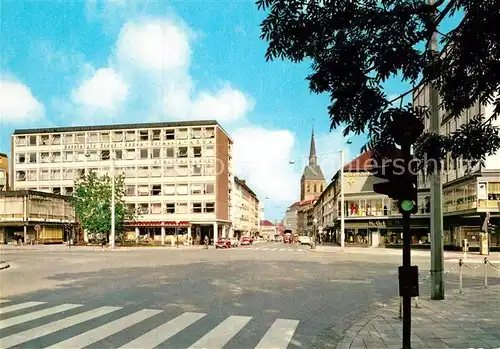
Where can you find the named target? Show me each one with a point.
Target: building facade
(38, 217)
(178, 175)
(370, 219)
(268, 230)
(290, 222)
(469, 192)
(4, 172)
(245, 210)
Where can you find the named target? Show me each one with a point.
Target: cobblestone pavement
(467, 320)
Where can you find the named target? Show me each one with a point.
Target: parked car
(246, 241)
(304, 240)
(223, 243)
(288, 238)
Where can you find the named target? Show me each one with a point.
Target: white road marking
(4, 301)
(54, 326)
(263, 249)
(20, 306)
(36, 315)
(164, 332)
(282, 249)
(104, 331)
(279, 334)
(222, 334)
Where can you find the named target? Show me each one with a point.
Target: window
(209, 170)
(20, 141)
(143, 135)
(209, 150)
(170, 153)
(32, 158)
(44, 157)
(156, 153)
(209, 132)
(143, 171)
(182, 133)
(196, 133)
(44, 140)
(156, 189)
(169, 134)
(156, 135)
(93, 137)
(143, 190)
(56, 190)
(56, 139)
(182, 152)
(20, 158)
(68, 190)
(131, 207)
(105, 137)
(209, 207)
(44, 175)
(196, 208)
(169, 189)
(182, 170)
(143, 153)
(32, 140)
(32, 175)
(130, 136)
(143, 208)
(118, 154)
(170, 171)
(20, 175)
(105, 155)
(156, 208)
(68, 156)
(130, 172)
(130, 154)
(117, 136)
(197, 152)
(55, 157)
(196, 170)
(182, 207)
(182, 189)
(56, 174)
(80, 138)
(209, 188)
(170, 208)
(196, 189)
(130, 190)
(155, 171)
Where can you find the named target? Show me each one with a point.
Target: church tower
(313, 181)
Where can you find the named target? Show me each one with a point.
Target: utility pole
(342, 204)
(437, 251)
(112, 236)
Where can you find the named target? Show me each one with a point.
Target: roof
(243, 183)
(21, 193)
(120, 127)
(266, 223)
(362, 163)
(3, 155)
(313, 172)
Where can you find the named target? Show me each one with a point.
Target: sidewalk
(467, 320)
(64, 247)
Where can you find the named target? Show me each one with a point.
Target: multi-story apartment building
(178, 175)
(291, 218)
(468, 192)
(370, 218)
(4, 172)
(245, 210)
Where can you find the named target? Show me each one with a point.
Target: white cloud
(154, 45)
(160, 50)
(262, 158)
(17, 103)
(105, 91)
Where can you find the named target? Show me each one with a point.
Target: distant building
(38, 217)
(312, 181)
(4, 172)
(291, 218)
(245, 210)
(267, 230)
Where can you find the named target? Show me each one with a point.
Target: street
(269, 295)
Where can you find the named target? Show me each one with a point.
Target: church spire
(313, 159)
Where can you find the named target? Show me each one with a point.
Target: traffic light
(400, 184)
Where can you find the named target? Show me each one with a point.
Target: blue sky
(81, 63)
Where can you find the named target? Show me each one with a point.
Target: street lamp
(313, 242)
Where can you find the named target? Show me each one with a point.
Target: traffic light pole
(437, 250)
(406, 266)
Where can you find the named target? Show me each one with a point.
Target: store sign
(376, 224)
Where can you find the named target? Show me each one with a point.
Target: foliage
(92, 201)
(355, 46)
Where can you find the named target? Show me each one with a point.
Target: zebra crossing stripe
(164, 332)
(104, 331)
(51, 327)
(283, 249)
(279, 334)
(36, 315)
(221, 334)
(20, 306)
(4, 301)
(263, 249)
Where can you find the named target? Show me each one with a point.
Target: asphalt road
(268, 296)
